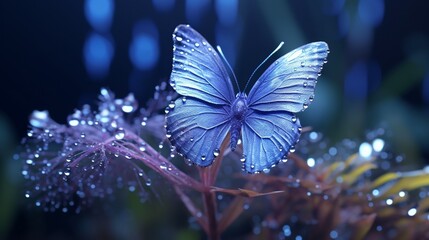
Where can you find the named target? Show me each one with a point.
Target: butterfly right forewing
(286, 87)
(289, 83)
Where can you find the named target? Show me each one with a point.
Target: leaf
(384, 178)
(407, 183)
(351, 177)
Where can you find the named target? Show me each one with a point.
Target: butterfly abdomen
(238, 112)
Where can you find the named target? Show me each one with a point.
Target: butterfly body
(239, 110)
(264, 119)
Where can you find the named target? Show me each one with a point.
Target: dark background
(377, 73)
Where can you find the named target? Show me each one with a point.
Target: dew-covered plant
(349, 190)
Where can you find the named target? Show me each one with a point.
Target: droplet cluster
(94, 153)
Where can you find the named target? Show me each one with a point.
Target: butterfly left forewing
(198, 70)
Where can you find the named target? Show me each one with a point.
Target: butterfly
(198, 122)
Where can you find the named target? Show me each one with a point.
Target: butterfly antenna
(229, 66)
(271, 54)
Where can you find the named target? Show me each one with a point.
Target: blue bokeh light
(144, 49)
(98, 53)
(343, 23)
(195, 10)
(163, 5)
(356, 82)
(225, 38)
(226, 11)
(371, 12)
(99, 13)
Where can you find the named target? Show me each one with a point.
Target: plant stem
(210, 207)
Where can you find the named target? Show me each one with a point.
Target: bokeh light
(144, 48)
(99, 13)
(98, 52)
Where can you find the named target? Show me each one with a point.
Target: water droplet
(294, 119)
(73, 122)
(204, 43)
(168, 134)
(305, 84)
(179, 39)
(197, 44)
(183, 99)
(120, 134)
(163, 166)
(203, 157)
(144, 122)
(192, 139)
(172, 105)
(304, 106)
(284, 159)
(292, 149)
(266, 170)
(216, 152)
(27, 194)
(302, 64)
(129, 104)
(412, 212)
(29, 161)
(389, 201)
(82, 135)
(243, 158)
(148, 182)
(39, 119)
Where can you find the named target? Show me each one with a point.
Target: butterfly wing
(198, 71)
(198, 125)
(197, 129)
(288, 84)
(267, 138)
(286, 87)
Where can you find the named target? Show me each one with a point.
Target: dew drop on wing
(304, 106)
(216, 152)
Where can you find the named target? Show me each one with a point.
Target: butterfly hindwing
(288, 84)
(198, 71)
(197, 129)
(267, 138)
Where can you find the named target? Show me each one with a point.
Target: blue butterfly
(198, 122)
